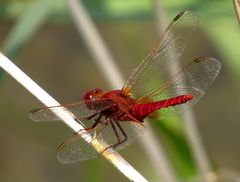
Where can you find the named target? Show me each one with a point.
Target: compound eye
(93, 94)
(97, 91)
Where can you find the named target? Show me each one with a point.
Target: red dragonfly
(116, 117)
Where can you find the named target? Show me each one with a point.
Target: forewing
(79, 109)
(193, 80)
(149, 73)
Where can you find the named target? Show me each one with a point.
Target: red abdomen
(140, 111)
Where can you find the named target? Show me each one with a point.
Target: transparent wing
(194, 79)
(131, 129)
(77, 149)
(149, 73)
(81, 110)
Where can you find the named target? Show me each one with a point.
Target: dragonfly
(117, 116)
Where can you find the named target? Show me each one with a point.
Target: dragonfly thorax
(123, 103)
(120, 98)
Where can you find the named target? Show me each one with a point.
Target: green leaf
(177, 147)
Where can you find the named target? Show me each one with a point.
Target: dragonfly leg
(117, 135)
(90, 117)
(77, 136)
(123, 132)
(93, 126)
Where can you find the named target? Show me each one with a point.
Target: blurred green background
(41, 38)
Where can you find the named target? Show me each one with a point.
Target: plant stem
(236, 4)
(193, 136)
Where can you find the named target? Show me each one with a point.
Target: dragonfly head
(93, 94)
